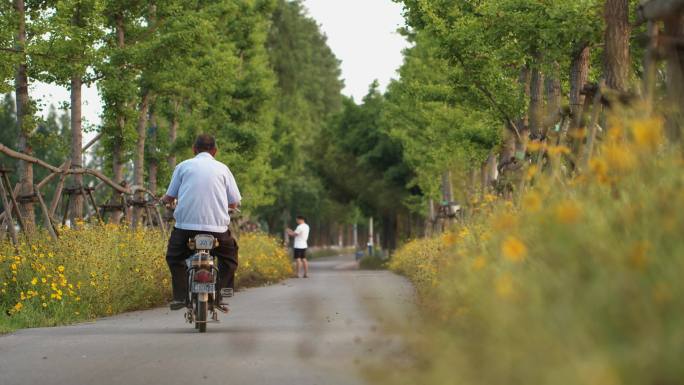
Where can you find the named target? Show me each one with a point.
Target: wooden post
(92, 202)
(48, 221)
(162, 225)
(65, 209)
(596, 110)
(15, 193)
(148, 213)
(60, 187)
(15, 205)
(8, 213)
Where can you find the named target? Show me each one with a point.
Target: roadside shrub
(104, 270)
(579, 283)
(262, 260)
(372, 262)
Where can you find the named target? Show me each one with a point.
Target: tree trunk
(388, 239)
(118, 145)
(173, 133)
(24, 117)
(524, 121)
(139, 160)
(553, 96)
(579, 73)
(616, 54)
(76, 146)
(153, 168)
(536, 98)
(674, 27)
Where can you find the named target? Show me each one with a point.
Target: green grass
(324, 252)
(372, 263)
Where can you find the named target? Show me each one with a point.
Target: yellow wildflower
(513, 249)
(648, 133)
(531, 172)
(615, 134)
(568, 212)
(479, 263)
(534, 146)
(34, 281)
(505, 222)
(619, 157)
(532, 202)
(599, 168)
(449, 238)
(578, 134)
(557, 150)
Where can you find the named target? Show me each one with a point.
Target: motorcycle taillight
(204, 276)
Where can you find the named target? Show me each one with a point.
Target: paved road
(300, 332)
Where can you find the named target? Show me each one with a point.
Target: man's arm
(295, 232)
(174, 186)
(233, 192)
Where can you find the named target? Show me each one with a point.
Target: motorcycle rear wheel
(202, 310)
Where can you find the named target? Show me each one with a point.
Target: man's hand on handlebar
(169, 201)
(233, 208)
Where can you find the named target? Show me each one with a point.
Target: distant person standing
(301, 236)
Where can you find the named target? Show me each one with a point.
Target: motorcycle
(202, 282)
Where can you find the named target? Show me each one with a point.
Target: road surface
(319, 330)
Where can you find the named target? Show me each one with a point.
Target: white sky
(361, 33)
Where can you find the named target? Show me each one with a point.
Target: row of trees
(257, 74)
(481, 81)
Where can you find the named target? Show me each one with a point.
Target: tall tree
(362, 164)
(616, 54)
(68, 58)
(308, 92)
(118, 87)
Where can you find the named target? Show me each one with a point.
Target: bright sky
(361, 33)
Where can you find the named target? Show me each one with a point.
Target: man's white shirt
(301, 236)
(204, 188)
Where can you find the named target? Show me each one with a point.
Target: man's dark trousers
(177, 252)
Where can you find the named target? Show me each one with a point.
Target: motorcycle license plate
(202, 287)
(204, 242)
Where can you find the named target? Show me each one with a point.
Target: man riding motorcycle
(205, 191)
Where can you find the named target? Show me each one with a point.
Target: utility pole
(355, 235)
(370, 236)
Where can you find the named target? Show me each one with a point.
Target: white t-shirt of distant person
(301, 236)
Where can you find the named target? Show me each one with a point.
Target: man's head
(204, 143)
(300, 219)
